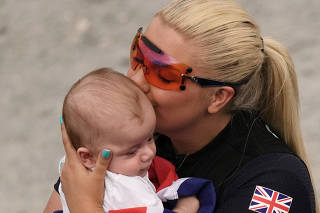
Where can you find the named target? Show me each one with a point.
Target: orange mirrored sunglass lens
(164, 76)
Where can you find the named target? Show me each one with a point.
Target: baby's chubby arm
(187, 205)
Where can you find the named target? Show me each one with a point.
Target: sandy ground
(46, 45)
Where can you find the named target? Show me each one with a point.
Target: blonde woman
(227, 107)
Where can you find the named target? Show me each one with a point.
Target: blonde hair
(232, 49)
(93, 99)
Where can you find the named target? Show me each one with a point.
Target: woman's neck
(193, 138)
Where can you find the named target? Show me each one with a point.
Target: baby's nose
(148, 155)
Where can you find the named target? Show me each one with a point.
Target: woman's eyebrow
(161, 59)
(149, 44)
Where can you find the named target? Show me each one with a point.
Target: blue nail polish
(105, 153)
(61, 163)
(61, 120)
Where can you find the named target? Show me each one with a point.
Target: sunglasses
(162, 70)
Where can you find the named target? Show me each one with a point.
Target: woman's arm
(82, 188)
(54, 203)
(275, 178)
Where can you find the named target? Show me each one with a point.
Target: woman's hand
(187, 205)
(83, 189)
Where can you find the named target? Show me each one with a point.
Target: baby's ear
(86, 157)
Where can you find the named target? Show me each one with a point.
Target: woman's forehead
(170, 41)
(160, 58)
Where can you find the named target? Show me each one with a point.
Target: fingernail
(105, 153)
(61, 163)
(61, 120)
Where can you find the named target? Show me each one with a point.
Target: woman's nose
(138, 77)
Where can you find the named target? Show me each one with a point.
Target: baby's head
(106, 110)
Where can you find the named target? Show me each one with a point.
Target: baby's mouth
(144, 170)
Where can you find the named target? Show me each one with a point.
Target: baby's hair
(99, 95)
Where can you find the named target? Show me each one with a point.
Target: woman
(227, 108)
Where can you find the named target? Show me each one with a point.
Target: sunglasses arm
(204, 82)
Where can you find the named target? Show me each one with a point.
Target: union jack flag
(266, 200)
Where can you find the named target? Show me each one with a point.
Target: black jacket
(246, 155)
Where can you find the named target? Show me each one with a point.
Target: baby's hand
(187, 205)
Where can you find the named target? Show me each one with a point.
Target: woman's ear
(86, 157)
(220, 98)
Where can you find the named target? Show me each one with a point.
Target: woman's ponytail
(280, 100)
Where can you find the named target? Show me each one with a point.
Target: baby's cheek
(114, 166)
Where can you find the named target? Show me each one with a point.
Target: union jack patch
(266, 200)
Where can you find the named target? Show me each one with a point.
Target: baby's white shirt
(125, 192)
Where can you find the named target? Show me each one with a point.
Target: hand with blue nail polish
(106, 153)
(77, 180)
(61, 119)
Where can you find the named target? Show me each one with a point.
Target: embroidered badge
(266, 200)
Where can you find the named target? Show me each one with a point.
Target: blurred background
(45, 46)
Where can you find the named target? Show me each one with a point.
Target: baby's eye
(150, 139)
(131, 153)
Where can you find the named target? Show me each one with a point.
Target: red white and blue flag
(170, 188)
(265, 200)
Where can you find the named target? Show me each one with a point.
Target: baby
(106, 110)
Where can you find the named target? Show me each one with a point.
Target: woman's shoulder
(272, 164)
(271, 178)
